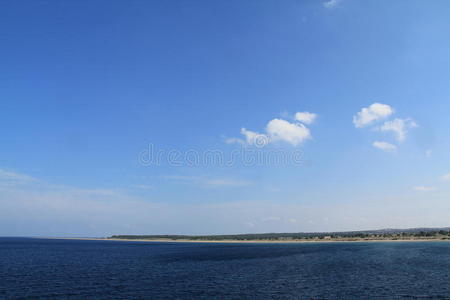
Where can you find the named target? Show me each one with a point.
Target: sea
(32, 268)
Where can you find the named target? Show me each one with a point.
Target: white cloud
(209, 182)
(424, 188)
(377, 112)
(234, 140)
(445, 177)
(385, 146)
(331, 3)
(374, 112)
(143, 187)
(46, 210)
(37, 208)
(278, 130)
(305, 117)
(180, 177)
(252, 137)
(12, 176)
(399, 127)
(225, 182)
(282, 130)
(98, 192)
(271, 219)
(429, 153)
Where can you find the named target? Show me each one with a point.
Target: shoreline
(247, 241)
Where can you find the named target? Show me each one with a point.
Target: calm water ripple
(54, 269)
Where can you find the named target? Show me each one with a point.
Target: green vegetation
(384, 234)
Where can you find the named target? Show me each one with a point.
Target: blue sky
(85, 88)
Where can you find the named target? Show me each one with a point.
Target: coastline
(248, 241)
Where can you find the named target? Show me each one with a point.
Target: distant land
(411, 234)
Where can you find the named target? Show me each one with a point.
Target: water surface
(50, 268)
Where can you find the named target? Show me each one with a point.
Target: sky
(220, 117)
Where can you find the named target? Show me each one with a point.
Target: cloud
(331, 3)
(226, 183)
(278, 130)
(424, 188)
(446, 177)
(234, 140)
(385, 146)
(399, 127)
(305, 117)
(98, 192)
(180, 177)
(252, 137)
(271, 219)
(282, 130)
(40, 209)
(12, 176)
(37, 208)
(143, 187)
(11, 181)
(377, 112)
(209, 182)
(373, 113)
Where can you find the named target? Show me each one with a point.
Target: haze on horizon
(221, 117)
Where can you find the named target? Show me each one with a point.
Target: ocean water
(52, 269)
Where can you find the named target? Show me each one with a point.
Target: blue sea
(54, 269)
